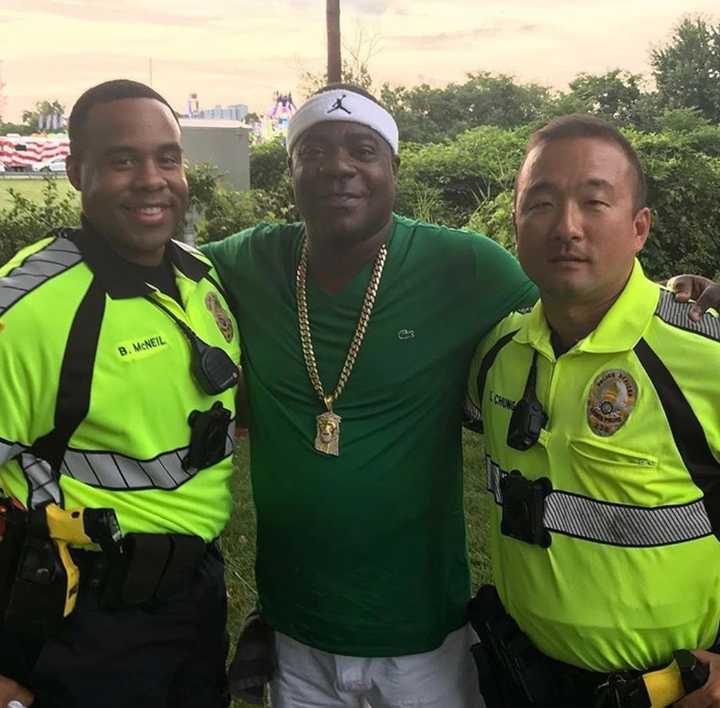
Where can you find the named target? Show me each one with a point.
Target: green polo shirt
(364, 554)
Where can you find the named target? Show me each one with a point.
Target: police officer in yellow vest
(601, 418)
(118, 358)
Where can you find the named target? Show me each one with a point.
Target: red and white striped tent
(25, 151)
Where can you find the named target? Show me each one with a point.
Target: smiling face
(131, 178)
(577, 228)
(344, 180)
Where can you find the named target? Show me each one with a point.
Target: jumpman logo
(338, 106)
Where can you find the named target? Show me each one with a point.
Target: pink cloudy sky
(235, 51)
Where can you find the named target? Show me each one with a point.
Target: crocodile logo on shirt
(406, 334)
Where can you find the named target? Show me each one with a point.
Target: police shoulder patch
(612, 398)
(222, 319)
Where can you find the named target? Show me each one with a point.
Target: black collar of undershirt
(116, 275)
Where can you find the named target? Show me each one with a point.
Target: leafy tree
(612, 95)
(687, 69)
(428, 115)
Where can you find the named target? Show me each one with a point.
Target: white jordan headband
(341, 104)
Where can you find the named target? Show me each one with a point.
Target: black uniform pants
(161, 655)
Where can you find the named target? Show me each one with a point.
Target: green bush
(27, 221)
(472, 169)
(683, 184)
(220, 212)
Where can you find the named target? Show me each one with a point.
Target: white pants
(442, 678)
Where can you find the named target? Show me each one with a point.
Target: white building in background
(222, 143)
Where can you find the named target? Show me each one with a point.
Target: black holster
(510, 668)
(148, 568)
(513, 673)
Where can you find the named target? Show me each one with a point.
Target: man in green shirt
(358, 326)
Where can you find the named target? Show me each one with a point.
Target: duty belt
(150, 568)
(513, 673)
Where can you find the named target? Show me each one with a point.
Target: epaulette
(55, 258)
(190, 249)
(677, 314)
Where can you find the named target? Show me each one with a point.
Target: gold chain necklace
(327, 437)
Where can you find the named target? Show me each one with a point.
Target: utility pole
(334, 60)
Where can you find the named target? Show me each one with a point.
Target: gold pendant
(327, 438)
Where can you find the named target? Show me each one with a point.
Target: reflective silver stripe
(472, 415)
(117, 472)
(9, 450)
(614, 524)
(676, 314)
(43, 483)
(56, 257)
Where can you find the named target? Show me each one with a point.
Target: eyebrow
(117, 149)
(545, 185)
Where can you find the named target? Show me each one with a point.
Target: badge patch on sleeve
(611, 400)
(222, 319)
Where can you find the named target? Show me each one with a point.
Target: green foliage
(221, 212)
(268, 165)
(432, 115)
(19, 128)
(683, 184)
(681, 120)
(27, 220)
(493, 218)
(612, 96)
(687, 70)
(462, 174)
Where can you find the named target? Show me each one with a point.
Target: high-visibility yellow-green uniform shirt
(127, 451)
(631, 448)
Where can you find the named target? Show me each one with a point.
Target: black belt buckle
(622, 690)
(524, 508)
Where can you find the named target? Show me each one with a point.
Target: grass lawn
(239, 538)
(30, 188)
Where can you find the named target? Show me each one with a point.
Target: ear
(514, 223)
(395, 161)
(290, 165)
(641, 228)
(73, 167)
